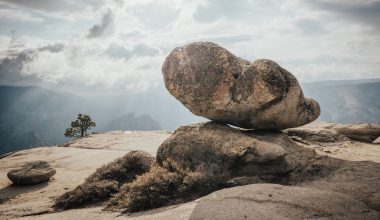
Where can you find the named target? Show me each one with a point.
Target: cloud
(212, 10)
(63, 9)
(104, 28)
(20, 15)
(141, 49)
(154, 15)
(53, 48)
(55, 6)
(244, 10)
(363, 12)
(81, 65)
(126, 47)
(310, 27)
(10, 68)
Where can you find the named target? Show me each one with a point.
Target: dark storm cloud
(103, 28)
(11, 66)
(365, 12)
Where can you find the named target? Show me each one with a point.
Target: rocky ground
(78, 159)
(73, 163)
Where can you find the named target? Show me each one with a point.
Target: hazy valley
(33, 116)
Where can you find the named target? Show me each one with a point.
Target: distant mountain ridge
(132, 122)
(352, 102)
(341, 82)
(33, 116)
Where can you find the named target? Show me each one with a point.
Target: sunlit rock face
(213, 83)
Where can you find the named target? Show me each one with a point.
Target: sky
(119, 46)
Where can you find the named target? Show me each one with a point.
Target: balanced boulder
(213, 83)
(32, 173)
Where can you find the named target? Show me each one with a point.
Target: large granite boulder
(32, 173)
(230, 152)
(213, 83)
(222, 148)
(272, 201)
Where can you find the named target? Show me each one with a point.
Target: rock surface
(74, 163)
(365, 132)
(222, 148)
(333, 132)
(213, 83)
(348, 167)
(244, 157)
(272, 201)
(257, 156)
(360, 180)
(32, 173)
(377, 141)
(316, 135)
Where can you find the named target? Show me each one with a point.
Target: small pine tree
(80, 126)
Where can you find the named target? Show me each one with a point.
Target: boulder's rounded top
(214, 83)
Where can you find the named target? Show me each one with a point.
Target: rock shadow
(11, 191)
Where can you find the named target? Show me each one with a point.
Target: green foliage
(80, 126)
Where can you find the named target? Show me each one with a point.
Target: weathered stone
(221, 147)
(271, 201)
(32, 173)
(318, 135)
(359, 179)
(365, 132)
(213, 83)
(333, 132)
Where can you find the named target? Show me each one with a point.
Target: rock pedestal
(224, 150)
